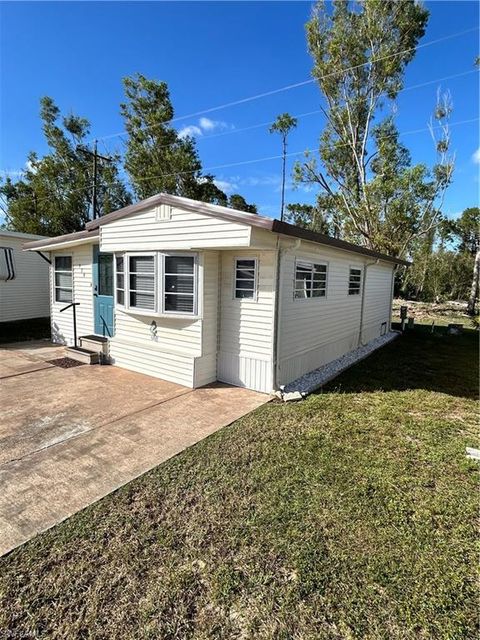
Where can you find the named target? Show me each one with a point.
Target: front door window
(105, 274)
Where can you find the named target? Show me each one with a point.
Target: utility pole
(96, 156)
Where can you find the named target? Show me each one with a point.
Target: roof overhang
(287, 229)
(240, 217)
(62, 242)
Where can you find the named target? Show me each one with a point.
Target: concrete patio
(68, 437)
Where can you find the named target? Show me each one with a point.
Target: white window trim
(159, 284)
(323, 263)
(358, 268)
(255, 283)
(150, 254)
(55, 301)
(122, 256)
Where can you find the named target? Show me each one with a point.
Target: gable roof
(216, 211)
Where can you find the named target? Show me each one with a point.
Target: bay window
(179, 284)
(120, 279)
(141, 273)
(157, 283)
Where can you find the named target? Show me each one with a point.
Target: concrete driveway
(68, 437)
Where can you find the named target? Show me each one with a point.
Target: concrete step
(82, 355)
(98, 344)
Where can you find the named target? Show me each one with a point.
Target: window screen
(354, 281)
(245, 278)
(179, 284)
(142, 282)
(63, 279)
(310, 280)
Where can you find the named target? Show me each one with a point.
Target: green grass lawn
(349, 515)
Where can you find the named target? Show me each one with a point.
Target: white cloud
(226, 186)
(209, 125)
(476, 156)
(190, 130)
(204, 125)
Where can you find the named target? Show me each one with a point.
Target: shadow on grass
(417, 360)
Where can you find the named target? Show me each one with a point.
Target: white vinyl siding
(27, 295)
(311, 335)
(179, 349)
(246, 325)
(82, 292)
(184, 231)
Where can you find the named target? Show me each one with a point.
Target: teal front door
(103, 292)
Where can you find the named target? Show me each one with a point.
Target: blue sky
(212, 53)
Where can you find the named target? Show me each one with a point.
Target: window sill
(155, 314)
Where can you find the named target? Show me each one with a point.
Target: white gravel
(311, 381)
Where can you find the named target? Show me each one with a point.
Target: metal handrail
(74, 305)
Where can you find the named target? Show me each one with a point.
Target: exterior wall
(27, 296)
(176, 349)
(245, 344)
(315, 331)
(62, 323)
(145, 231)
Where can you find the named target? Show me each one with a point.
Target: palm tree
(283, 125)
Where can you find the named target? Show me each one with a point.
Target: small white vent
(163, 212)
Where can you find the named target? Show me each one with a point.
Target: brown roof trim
(189, 205)
(68, 237)
(298, 232)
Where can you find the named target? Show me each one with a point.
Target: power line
(315, 112)
(302, 83)
(269, 158)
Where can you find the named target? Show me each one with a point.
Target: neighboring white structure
(193, 293)
(24, 289)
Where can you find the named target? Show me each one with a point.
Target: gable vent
(163, 212)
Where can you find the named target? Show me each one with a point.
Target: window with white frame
(245, 278)
(141, 277)
(354, 281)
(179, 284)
(157, 283)
(310, 280)
(120, 279)
(63, 281)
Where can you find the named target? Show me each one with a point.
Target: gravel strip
(311, 381)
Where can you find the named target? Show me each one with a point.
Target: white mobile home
(193, 293)
(24, 281)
